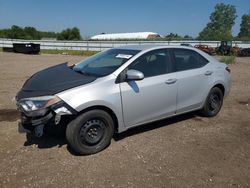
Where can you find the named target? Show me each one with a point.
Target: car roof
(145, 47)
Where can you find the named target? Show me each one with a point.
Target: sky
(116, 16)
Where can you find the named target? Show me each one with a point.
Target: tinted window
(105, 62)
(188, 59)
(153, 63)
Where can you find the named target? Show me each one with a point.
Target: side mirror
(134, 75)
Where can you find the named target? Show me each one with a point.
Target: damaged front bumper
(33, 122)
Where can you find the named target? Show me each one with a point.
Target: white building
(126, 36)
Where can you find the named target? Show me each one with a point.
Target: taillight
(228, 69)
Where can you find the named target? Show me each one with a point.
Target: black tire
(90, 132)
(213, 103)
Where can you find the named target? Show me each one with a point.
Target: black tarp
(53, 80)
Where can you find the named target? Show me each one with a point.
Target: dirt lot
(186, 151)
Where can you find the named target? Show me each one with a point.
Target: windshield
(104, 63)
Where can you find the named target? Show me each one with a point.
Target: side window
(153, 63)
(188, 59)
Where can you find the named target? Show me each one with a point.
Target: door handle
(171, 81)
(208, 73)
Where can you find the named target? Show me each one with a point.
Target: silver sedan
(121, 88)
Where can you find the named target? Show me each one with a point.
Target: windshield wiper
(86, 73)
(77, 70)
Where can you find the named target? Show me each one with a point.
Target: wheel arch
(106, 109)
(221, 87)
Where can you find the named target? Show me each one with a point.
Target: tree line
(220, 27)
(221, 24)
(31, 33)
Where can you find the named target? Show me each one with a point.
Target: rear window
(186, 59)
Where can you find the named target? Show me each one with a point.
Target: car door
(194, 74)
(154, 97)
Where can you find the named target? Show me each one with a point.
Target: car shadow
(47, 141)
(58, 140)
(155, 125)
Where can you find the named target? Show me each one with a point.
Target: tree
(221, 23)
(31, 33)
(187, 37)
(245, 26)
(172, 36)
(70, 34)
(3, 33)
(46, 34)
(16, 32)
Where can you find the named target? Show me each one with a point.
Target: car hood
(53, 80)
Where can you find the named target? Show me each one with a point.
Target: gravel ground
(185, 151)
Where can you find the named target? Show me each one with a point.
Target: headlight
(37, 103)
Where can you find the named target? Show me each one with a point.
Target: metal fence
(102, 45)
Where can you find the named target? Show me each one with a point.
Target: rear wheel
(90, 132)
(213, 103)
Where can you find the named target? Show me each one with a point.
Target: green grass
(69, 52)
(1, 49)
(228, 60)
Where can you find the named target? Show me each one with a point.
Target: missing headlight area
(41, 112)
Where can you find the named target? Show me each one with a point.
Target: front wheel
(213, 103)
(90, 132)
